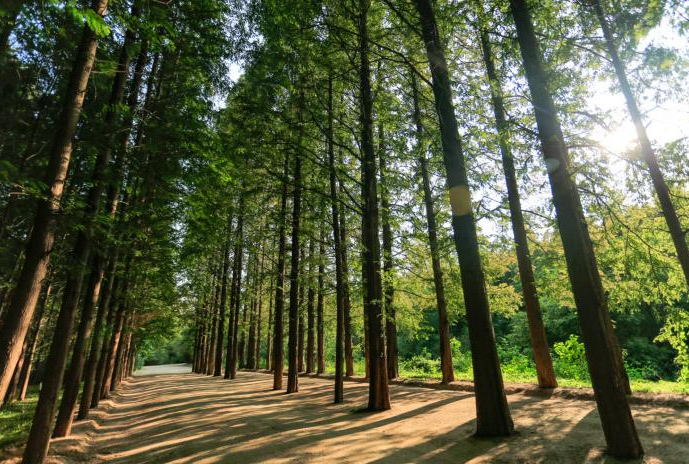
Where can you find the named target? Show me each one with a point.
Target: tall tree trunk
(213, 345)
(292, 339)
(223, 299)
(302, 326)
(675, 227)
(378, 392)
(339, 274)
(74, 374)
(319, 315)
(256, 344)
(443, 324)
(17, 319)
(539, 341)
(42, 425)
(116, 185)
(602, 350)
(251, 339)
(91, 369)
(278, 326)
(388, 265)
(310, 314)
(33, 344)
(492, 412)
(236, 271)
(241, 359)
(347, 304)
(269, 332)
(110, 301)
(239, 251)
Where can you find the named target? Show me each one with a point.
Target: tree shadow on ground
(193, 418)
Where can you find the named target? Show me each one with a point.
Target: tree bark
(74, 373)
(446, 367)
(599, 338)
(302, 326)
(213, 345)
(378, 392)
(539, 341)
(25, 375)
(239, 252)
(310, 315)
(319, 312)
(388, 266)
(269, 332)
(223, 299)
(59, 350)
(278, 325)
(292, 338)
(17, 319)
(347, 305)
(492, 412)
(339, 274)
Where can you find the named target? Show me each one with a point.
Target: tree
(602, 350)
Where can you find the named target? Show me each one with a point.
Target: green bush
(421, 364)
(570, 359)
(461, 360)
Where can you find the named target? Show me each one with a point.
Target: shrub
(570, 359)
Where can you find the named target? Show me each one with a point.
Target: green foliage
(570, 359)
(676, 332)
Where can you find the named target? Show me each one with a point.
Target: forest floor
(174, 416)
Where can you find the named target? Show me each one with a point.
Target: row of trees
(311, 207)
(95, 136)
(307, 100)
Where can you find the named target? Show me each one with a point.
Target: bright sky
(665, 122)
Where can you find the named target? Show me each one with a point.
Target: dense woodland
(371, 188)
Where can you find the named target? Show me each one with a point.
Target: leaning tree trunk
(17, 318)
(378, 392)
(599, 338)
(339, 274)
(539, 341)
(82, 249)
(292, 352)
(388, 267)
(492, 412)
(443, 323)
(110, 302)
(678, 235)
(39, 436)
(33, 344)
(278, 325)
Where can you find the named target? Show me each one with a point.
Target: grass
(15, 419)
(517, 374)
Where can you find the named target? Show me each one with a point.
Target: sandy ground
(164, 369)
(189, 418)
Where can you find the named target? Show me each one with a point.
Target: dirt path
(189, 418)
